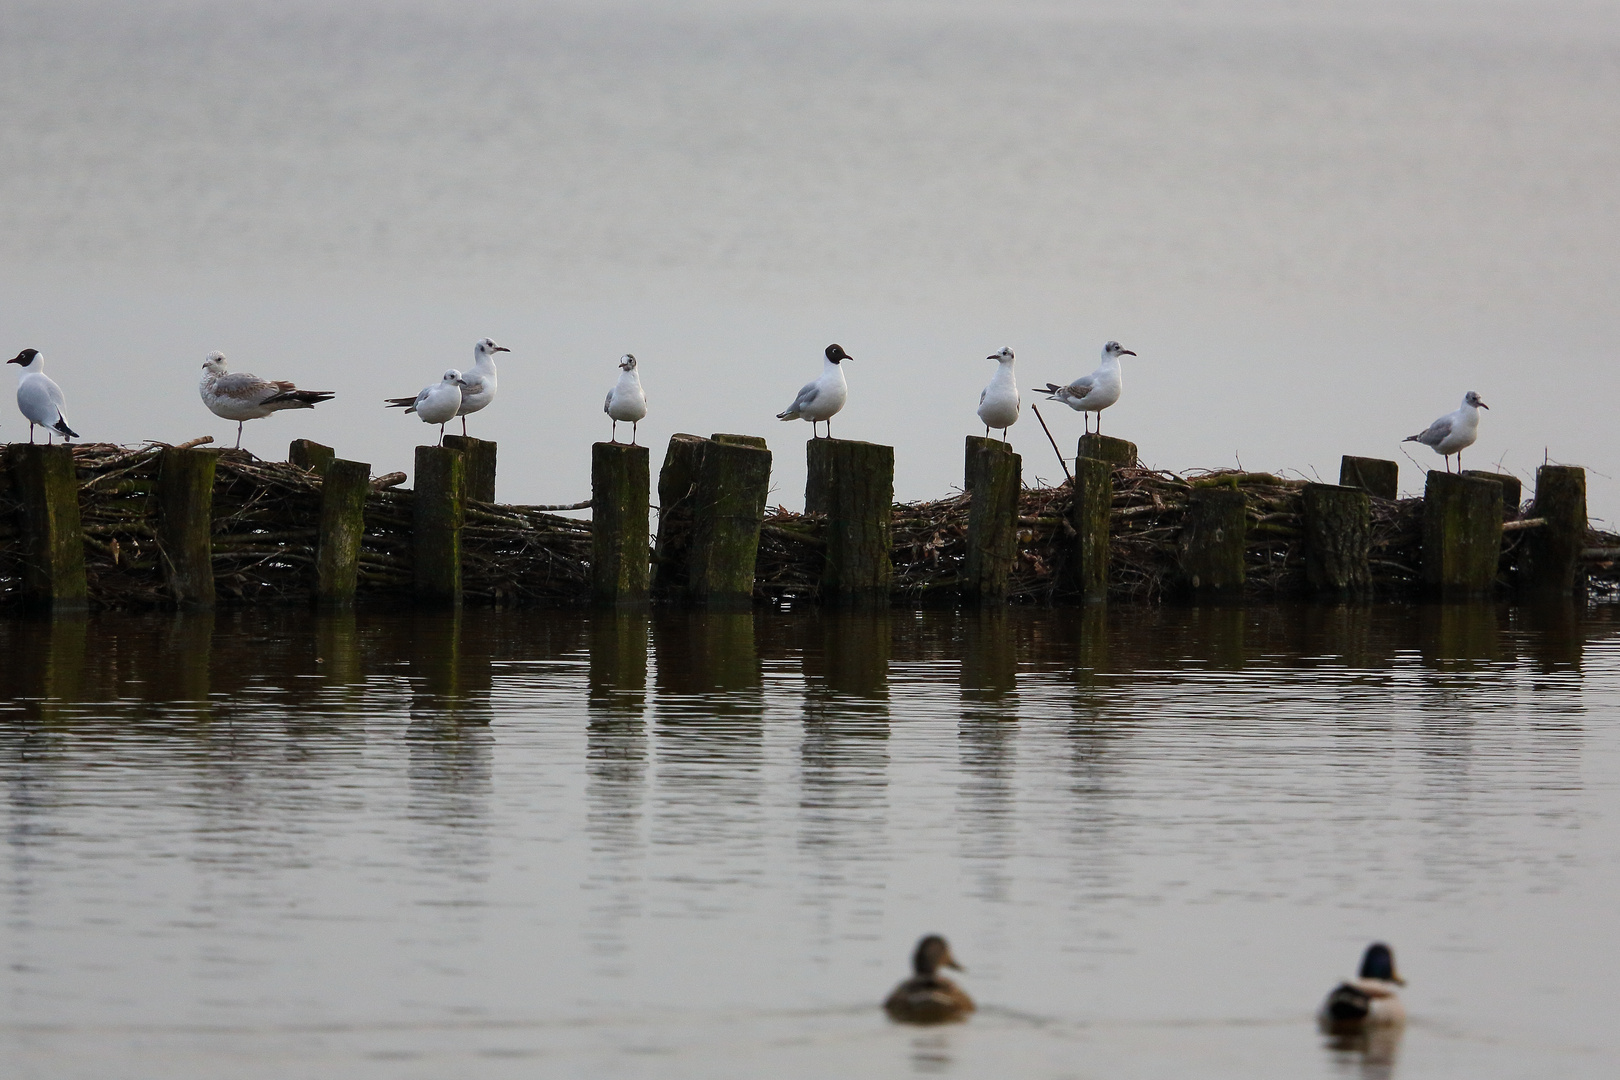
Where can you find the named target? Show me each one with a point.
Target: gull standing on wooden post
(626, 401)
(243, 397)
(998, 402)
(39, 398)
(478, 385)
(1453, 432)
(436, 404)
(821, 400)
(1095, 392)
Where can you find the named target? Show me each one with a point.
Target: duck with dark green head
(1369, 999)
(929, 997)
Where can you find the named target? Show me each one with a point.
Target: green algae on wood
(1462, 535)
(438, 513)
(344, 488)
(1338, 539)
(620, 495)
(185, 492)
(46, 482)
(993, 478)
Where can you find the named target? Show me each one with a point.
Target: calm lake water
(550, 844)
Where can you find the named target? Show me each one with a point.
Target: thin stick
(1055, 450)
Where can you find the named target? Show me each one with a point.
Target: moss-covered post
(1462, 535)
(343, 522)
(677, 481)
(854, 486)
(439, 509)
(1338, 539)
(47, 485)
(620, 493)
(1211, 544)
(993, 477)
(185, 522)
(1375, 476)
(728, 505)
(1512, 488)
(1551, 560)
(1089, 514)
(478, 456)
(1117, 452)
(311, 455)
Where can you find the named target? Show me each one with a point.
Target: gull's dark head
(1379, 963)
(627, 362)
(836, 354)
(932, 954)
(1473, 399)
(1115, 349)
(24, 358)
(1003, 356)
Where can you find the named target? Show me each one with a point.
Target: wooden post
(1462, 534)
(479, 456)
(1512, 488)
(728, 506)
(1551, 559)
(311, 455)
(1377, 477)
(343, 522)
(185, 513)
(1212, 536)
(1117, 452)
(1338, 538)
(993, 478)
(1093, 500)
(47, 485)
(439, 510)
(620, 479)
(756, 441)
(677, 481)
(853, 484)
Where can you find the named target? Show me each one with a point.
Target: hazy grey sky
(1317, 227)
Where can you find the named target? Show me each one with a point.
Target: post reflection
(448, 742)
(616, 736)
(1465, 632)
(450, 671)
(986, 738)
(844, 754)
(44, 668)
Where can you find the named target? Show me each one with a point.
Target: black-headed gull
(1095, 392)
(1453, 432)
(39, 398)
(821, 400)
(626, 402)
(998, 402)
(478, 385)
(243, 397)
(436, 404)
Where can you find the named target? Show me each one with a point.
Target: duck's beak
(1395, 977)
(949, 960)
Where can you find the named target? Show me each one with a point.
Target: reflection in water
(931, 1053)
(1368, 1054)
(989, 681)
(448, 740)
(615, 777)
(1450, 635)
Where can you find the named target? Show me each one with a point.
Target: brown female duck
(928, 997)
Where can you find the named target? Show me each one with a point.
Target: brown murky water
(542, 844)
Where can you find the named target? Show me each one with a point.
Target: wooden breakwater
(106, 527)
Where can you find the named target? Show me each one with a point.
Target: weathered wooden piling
(1551, 556)
(1512, 488)
(478, 457)
(728, 507)
(185, 512)
(1338, 539)
(853, 484)
(344, 488)
(439, 510)
(1117, 452)
(620, 494)
(1375, 476)
(47, 485)
(1089, 515)
(311, 455)
(1211, 544)
(677, 481)
(1462, 534)
(993, 477)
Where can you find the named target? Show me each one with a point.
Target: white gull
(998, 402)
(243, 397)
(1095, 392)
(821, 400)
(39, 398)
(1453, 432)
(626, 402)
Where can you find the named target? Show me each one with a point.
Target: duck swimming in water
(1368, 1000)
(929, 997)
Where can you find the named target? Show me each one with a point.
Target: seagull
(243, 397)
(39, 398)
(478, 385)
(436, 404)
(1095, 392)
(821, 400)
(626, 401)
(998, 402)
(1450, 434)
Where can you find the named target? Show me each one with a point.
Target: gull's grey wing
(1083, 385)
(55, 393)
(607, 403)
(807, 394)
(1435, 433)
(240, 386)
